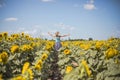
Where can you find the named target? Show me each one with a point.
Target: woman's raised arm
(51, 34)
(65, 35)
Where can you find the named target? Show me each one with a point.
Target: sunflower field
(23, 57)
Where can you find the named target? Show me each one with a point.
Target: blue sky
(98, 19)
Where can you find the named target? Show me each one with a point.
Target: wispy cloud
(33, 32)
(90, 5)
(11, 19)
(64, 26)
(47, 0)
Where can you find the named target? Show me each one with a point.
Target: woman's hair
(57, 34)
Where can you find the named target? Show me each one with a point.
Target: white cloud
(11, 19)
(64, 26)
(44, 34)
(47, 0)
(32, 32)
(90, 5)
(37, 26)
(72, 28)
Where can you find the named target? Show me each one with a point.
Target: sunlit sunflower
(68, 69)
(3, 57)
(1, 36)
(67, 51)
(18, 78)
(25, 67)
(10, 39)
(5, 34)
(38, 65)
(22, 33)
(48, 47)
(64, 44)
(14, 48)
(85, 46)
(44, 56)
(111, 52)
(27, 37)
(99, 44)
(87, 69)
(26, 47)
(33, 44)
(31, 75)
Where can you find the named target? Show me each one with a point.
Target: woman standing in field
(57, 39)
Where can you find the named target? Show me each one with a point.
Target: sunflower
(25, 67)
(1, 35)
(3, 57)
(5, 34)
(85, 46)
(10, 39)
(26, 47)
(14, 48)
(84, 63)
(99, 44)
(68, 69)
(22, 33)
(38, 65)
(33, 44)
(48, 47)
(30, 74)
(18, 78)
(111, 52)
(67, 51)
(44, 56)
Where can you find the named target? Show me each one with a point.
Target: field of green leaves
(23, 57)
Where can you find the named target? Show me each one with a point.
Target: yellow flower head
(99, 44)
(18, 78)
(64, 44)
(111, 52)
(14, 48)
(5, 34)
(10, 39)
(69, 69)
(85, 46)
(25, 67)
(30, 74)
(44, 56)
(33, 44)
(1, 35)
(84, 63)
(39, 62)
(22, 33)
(27, 37)
(48, 47)
(38, 65)
(67, 51)
(26, 47)
(3, 57)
